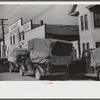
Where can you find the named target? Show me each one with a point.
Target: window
(86, 54)
(82, 23)
(96, 20)
(86, 21)
(23, 36)
(83, 46)
(19, 36)
(10, 40)
(13, 39)
(97, 44)
(87, 45)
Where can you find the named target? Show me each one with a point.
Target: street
(15, 76)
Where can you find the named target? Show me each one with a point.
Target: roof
(72, 11)
(94, 8)
(62, 29)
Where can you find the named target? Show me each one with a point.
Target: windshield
(86, 54)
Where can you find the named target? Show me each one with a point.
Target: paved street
(14, 76)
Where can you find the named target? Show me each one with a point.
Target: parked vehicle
(89, 64)
(15, 57)
(3, 64)
(47, 57)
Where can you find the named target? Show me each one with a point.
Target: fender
(13, 66)
(23, 66)
(40, 69)
(97, 70)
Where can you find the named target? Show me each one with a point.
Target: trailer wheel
(37, 74)
(99, 75)
(21, 71)
(10, 67)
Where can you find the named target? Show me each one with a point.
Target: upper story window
(13, 39)
(19, 36)
(23, 36)
(86, 21)
(96, 20)
(10, 40)
(82, 23)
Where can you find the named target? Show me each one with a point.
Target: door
(29, 65)
(87, 61)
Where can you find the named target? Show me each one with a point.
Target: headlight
(22, 57)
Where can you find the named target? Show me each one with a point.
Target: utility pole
(3, 34)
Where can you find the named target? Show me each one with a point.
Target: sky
(50, 14)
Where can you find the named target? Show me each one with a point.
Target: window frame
(86, 21)
(13, 39)
(10, 40)
(82, 22)
(96, 20)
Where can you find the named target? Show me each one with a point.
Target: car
(3, 64)
(15, 57)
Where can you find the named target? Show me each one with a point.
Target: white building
(19, 35)
(89, 25)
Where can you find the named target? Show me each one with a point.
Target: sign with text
(15, 31)
(15, 25)
(26, 27)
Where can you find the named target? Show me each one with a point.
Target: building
(20, 36)
(89, 25)
(24, 24)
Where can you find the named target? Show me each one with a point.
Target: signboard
(26, 27)
(15, 25)
(15, 31)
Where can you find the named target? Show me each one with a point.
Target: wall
(34, 33)
(85, 35)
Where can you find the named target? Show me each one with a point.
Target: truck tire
(72, 71)
(99, 75)
(37, 74)
(21, 72)
(11, 67)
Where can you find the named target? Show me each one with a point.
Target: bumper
(59, 73)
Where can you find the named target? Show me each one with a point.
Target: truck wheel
(99, 75)
(37, 74)
(21, 71)
(10, 67)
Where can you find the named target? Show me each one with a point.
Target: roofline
(90, 6)
(72, 11)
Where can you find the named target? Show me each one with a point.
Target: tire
(10, 67)
(37, 74)
(72, 71)
(99, 75)
(21, 71)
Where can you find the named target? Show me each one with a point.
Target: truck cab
(83, 65)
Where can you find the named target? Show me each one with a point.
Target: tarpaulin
(14, 52)
(95, 57)
(50, 50)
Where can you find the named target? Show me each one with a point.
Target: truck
(47, 57)
(88, 64)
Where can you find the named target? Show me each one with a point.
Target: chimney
(41, 22)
